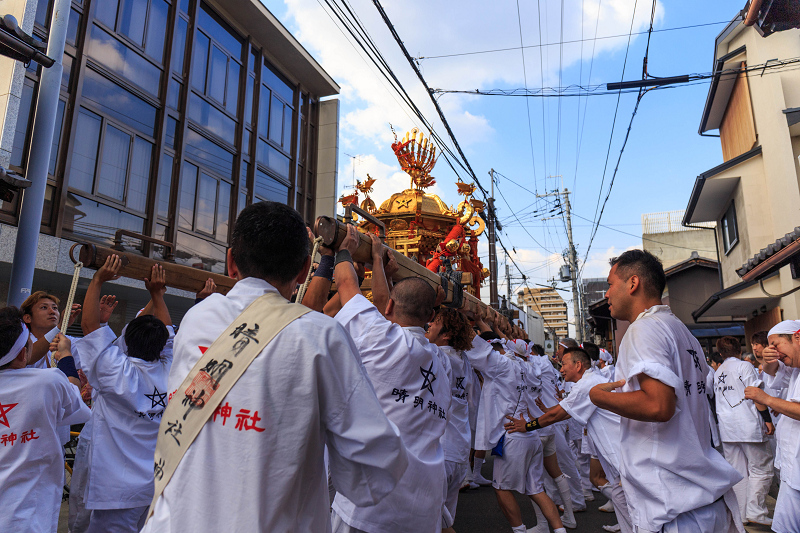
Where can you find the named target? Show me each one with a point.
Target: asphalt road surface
(479, 512)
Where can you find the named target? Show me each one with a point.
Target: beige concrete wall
(327, 158)
(12, 75)
(677, 246)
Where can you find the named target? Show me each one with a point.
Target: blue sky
(664, 153)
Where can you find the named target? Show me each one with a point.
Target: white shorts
(717, 517)
(548, 445)
(787, 518)
(340, 526)
(520, 469)
(456, 473)
(106, 520)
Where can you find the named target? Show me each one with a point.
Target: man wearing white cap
(782, 371)
(34, 402)
(606, 364)
(674, 481)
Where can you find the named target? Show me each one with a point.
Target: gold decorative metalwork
(417, 157)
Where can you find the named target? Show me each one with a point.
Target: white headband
(605, 356)
(787, 327)
(22, 341)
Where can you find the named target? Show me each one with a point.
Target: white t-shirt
(602, 426)
(739, 420)
(412, 385)
(457, 435)
(130, 397)
(33, 404)
(668, 468)
(75, 350)
(504, 392)
(788, 432)
(257, 464)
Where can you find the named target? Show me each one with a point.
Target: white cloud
(597, 265)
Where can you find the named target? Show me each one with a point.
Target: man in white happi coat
(40, 313)
(602, 426)
(743, 429)
(674, 480)
(410, 379)
(34, 403)
(257, 463)
(520, 467)
(451, 332)
(782, 372)
(130, 395)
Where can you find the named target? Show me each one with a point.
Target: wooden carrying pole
(138, 267)
(333, 232)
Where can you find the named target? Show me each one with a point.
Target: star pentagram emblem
(721, 379)
(429, 377)
(460, 383)
(404, 203)
(157, 398)
(4, 409)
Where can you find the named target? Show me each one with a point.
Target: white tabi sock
(476, 466)
(519, 529)
(563, 487)
(541, 522)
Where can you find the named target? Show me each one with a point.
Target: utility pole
(44, 124)
(573, 267)
(508, 282)
(573, 264)
(493, 297)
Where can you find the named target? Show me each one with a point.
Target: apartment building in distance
(550, 305)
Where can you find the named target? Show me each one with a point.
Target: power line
(527, 103)
(542, 45)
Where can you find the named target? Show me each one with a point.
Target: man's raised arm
(654, 402)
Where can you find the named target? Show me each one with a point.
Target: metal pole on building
(493, 296)
(44, 123)
(573, 266)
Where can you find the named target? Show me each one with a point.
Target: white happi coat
(33, 404)
(575, 427)
(411, 382)
(787, 434)
(464, 400)
(130, 396)
(549, 378)
(739, 420)
(257, 464)
(669, 468)
(504, 392)
(602, 426)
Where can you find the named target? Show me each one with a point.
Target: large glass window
(111, 162)
(142, 22)
(204, 203)
(119, 103)
(124, 61)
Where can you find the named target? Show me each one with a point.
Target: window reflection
(179, 46)
(277, 82)
(200, 253)
(174, 95)
(268, 188)
(217, 74)
(188, 188)
(272, 158)
(122, 60)
(84, 151)
(206, 204)
(114, 164)
(223, 210)
(156, 29)
(209, 154)
(172, 127)
(200, 62)
(131, 19)
(212, 119)
(220, 31)
(165, 185)
(139, 175)
(83, 216)
(119, 103)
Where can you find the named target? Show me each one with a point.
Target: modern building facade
(550, 305)
(753, 196)
(173, 116)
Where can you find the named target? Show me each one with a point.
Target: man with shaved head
(411, 379)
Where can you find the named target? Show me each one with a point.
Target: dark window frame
(729, 219)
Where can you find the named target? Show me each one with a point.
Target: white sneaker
(615, 527)
(607, 508)
(588, 496)
(764, 522)
(482, 481)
